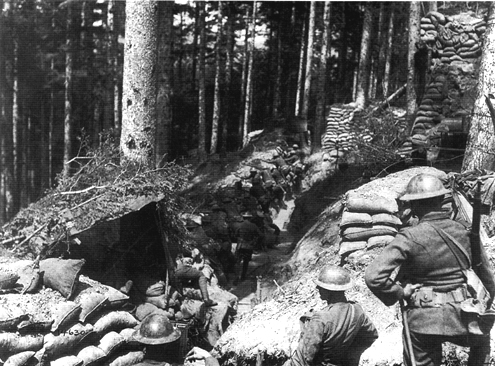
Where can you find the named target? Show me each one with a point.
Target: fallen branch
(386, 103)
(8, 241)
(83, 190)
(31, 235)
(280, 288)
(91, 199)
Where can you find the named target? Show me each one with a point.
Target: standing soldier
(340, 333)
(248, 237)
(431, 278)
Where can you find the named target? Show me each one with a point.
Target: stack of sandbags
(71, 320)
(368, 221)
(456, 46)
(342, 130)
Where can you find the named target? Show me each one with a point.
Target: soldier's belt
(426, 297)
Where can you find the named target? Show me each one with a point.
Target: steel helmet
(156, 329)
(334, 278)
(424, 186)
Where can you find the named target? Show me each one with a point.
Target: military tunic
(421, 256)
(335, 336)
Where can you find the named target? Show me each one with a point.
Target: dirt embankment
(272, 329)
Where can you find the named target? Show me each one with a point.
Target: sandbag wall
(44, 328)
(342, 130)
(456, 44)
(368, 221)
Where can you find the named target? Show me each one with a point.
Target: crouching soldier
(161, 339)
(340, 333)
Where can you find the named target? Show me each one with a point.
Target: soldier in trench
(430, 278)
(340, 333)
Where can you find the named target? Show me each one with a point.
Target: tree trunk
(432, 6)
(216, 92)
(388, 54)
(413, 40)
(481, 140)
(342, 89)
(229, 62)
(118, 16)
(69, 64)
(277, 92)
(322, 78)
(164, 81)
(300, 74)
(112, 51)
(6, 105)
(201, 81)
(309, 62)
(245, 62)
(364, 58)
(137, 141)
(249, 79)
(197, 6)
(382, 45)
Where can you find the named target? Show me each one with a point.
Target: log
(394, 96)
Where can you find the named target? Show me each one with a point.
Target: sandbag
(386, 219)
(115, 320)
(91, 355)
(9, 324)
(156, 289)
(65, 315)
(19, 359)
(379, 241)
(374, 204)
(159, 301)
(91, 304)
(8, 279)
(30, 326)
(347, 247)
(126, 359)
(67, 361)
(111, 342)
(11, 343)
(355, 219)
(143, 310)
(360, 233)
(65, 343)
(61, 274)
(193, 309)
(127, 334)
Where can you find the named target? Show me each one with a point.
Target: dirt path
(256, 287)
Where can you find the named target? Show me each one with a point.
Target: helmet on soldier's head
(424, 186)
(295, 146)
(275, 155)
(156, 329)
(334, 278)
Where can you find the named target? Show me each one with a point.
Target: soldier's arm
(380, 274)
(310, 343)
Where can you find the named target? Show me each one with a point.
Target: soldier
(431, 278)
(161, 341)
(248, 236)
(340, 333)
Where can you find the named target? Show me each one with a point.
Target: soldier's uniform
(433, 312)
(337, 335)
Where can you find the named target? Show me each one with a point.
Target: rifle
(475, 229)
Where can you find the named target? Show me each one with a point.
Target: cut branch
(392, 98)
(84, 190)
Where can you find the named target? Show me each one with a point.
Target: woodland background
(224, 69)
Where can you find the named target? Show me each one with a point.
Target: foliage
(100, 189)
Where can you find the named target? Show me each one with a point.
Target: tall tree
(364, 58)
(229, 63)
(481, 141)
(322, 77)
(249, 78)
(137, 141)
(388, 53)
(69, 66)
(300, 74)
(277, 92)
(164, 80)
(414, 9)
(216, 92)
(309, 62)
(245, 62)
(201, 82)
